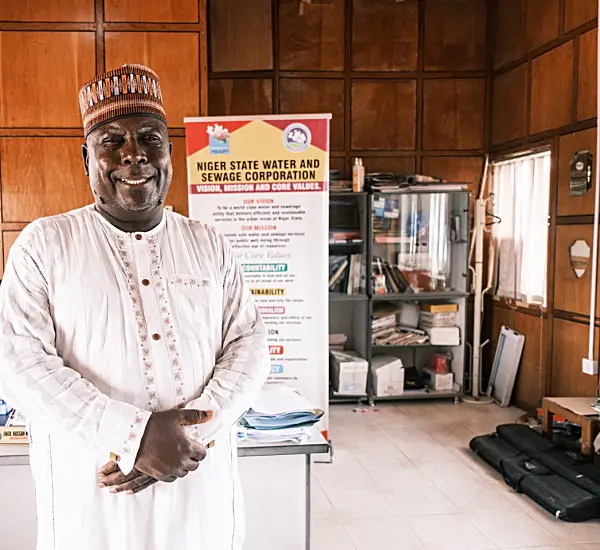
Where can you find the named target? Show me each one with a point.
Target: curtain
(521, 201)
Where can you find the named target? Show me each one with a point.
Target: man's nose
(132, 153)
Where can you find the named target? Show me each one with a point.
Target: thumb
(191, 417)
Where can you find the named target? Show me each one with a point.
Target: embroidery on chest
(190, 281)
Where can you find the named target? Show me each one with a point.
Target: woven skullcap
(128, 90)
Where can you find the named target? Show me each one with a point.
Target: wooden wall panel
(578, 12)
(316, 95)
(570, 293)
(567, 146)
(529, 385)
(153, 11)
(240, 96)
(508, 31)
(29, 59)
(8, 239)
(455, 35)
(541, 22)
(180, 85)
(178, 194)
(587, 82)
(455, 169)
(42, 177)
(57, 10)
(313, 40)
(569, 346)
(385, 35)
(396, 165)
(453, 114)
(552, 89)
(509, 110)
(241, 35)
(338, 163)
(384, 115)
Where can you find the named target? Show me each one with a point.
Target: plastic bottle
(356, 176)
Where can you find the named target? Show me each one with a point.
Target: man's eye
(152, 138)
(111, 140)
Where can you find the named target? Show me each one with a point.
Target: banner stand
(263, 182)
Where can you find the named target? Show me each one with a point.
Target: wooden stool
(576, 410)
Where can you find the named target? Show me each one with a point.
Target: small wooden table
(574, 409)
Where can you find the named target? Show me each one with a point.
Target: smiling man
(130, 341)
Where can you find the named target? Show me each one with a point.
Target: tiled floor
(403, 479)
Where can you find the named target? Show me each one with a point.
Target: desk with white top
(18, 509)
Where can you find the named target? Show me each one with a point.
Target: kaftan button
(156, 336)
(145, 282)
(138, 237)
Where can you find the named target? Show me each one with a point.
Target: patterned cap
(129, 90)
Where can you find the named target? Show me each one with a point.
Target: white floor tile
(404, 478)
(383, 534)
(513, 530)
(357, 504)
(453, 532)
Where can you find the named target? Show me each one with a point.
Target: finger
(117, 478)
(142, 487)
(168, 479)
(197, 451)
(109, 468)
(192, 417)
(191, 465)
(131, 485)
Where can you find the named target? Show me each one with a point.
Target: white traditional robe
(98, 328)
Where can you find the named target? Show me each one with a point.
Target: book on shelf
(387, 278)
(346, 274)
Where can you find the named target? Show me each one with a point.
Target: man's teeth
(136, 182)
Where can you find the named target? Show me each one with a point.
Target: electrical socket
(589, 366)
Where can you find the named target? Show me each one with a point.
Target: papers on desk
(278, 415)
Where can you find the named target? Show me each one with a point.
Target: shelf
(417, 395)
(346, 194)
(375, 347)
(420, 296)
(339, 297)
(340, 398)
(346, 248)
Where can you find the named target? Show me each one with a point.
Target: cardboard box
(389, 375)
(443, 336)
(440, 382)
(348, 372)
(440, 308)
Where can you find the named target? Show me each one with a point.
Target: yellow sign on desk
(14, 434)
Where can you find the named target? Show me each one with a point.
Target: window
(521, 201)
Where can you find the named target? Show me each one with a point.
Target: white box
(440, 382)
(389, 375)
(348, 372)
(443, 336)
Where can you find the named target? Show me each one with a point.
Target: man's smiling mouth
(135, 181)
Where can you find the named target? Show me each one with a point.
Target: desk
(18, 455)
(315, 445)
(574, 409)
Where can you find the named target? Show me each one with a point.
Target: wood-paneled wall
(404, 81)
(544, 93)
(48, 49)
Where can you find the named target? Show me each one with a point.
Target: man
(130, 341)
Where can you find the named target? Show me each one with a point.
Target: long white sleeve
(35, 380)
(243, 366)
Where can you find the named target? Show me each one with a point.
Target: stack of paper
(279, 414)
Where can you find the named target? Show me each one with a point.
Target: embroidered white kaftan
(98, 328)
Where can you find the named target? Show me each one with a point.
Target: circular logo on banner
(296, 137)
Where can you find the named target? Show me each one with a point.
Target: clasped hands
(166, 453)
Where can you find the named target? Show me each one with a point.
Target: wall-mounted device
(581, 173)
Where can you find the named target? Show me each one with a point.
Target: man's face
(129, 164)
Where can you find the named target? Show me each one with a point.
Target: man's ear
(86, 159)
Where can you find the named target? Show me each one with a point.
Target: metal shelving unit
(448, 211)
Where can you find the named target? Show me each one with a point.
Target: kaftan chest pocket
(196, 304)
